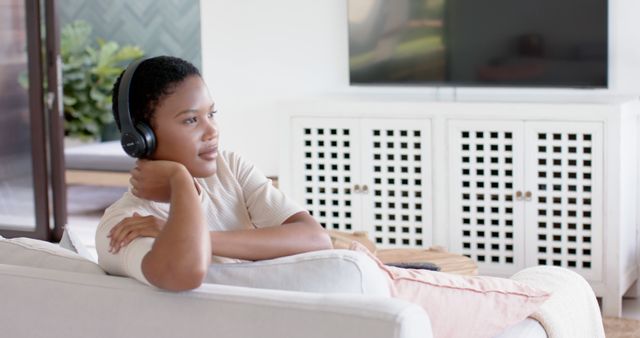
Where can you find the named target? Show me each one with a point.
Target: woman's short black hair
(154, 79)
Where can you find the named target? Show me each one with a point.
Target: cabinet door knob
(365, 189)
(527, 195)
(356, 188)
(518, 195)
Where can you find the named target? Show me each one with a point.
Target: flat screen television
(521, 43)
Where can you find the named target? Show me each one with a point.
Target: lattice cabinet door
(326, 166)
(396, 176)
(564, 221)
(485, 218)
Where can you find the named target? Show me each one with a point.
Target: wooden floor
(109, 178)
(97, 178)
(621, 327)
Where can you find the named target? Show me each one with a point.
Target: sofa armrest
(327, 271)
(44, 302)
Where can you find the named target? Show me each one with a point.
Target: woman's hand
(151, 180)
(133, 227)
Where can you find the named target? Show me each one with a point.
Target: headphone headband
(137, 139)
(126, 123)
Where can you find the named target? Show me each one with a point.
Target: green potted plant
(88, 76)
(88, 73)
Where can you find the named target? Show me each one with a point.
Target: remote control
(416, 265)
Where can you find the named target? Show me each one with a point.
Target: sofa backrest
(50, 303)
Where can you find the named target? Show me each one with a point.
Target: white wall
(258, 53)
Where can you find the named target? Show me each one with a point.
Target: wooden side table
(448, 262)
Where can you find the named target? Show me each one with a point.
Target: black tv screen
(529, 43)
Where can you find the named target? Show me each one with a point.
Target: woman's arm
(299, 233)
(181, 253)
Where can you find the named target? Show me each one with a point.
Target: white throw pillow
(40, 254)
(72, 242)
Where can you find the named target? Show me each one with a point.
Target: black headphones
(137, 140)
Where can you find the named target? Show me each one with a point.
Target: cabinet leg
(611, 305)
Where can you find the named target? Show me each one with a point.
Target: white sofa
(339, 293)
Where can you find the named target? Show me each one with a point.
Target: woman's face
(185, 128)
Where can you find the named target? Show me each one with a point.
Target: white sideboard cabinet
(366, 175)
(526, 193)
(510, 185)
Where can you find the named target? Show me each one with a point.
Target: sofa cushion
(326, 271)
(40, 254)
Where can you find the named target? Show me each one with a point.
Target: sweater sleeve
(128, 261)
(267, 205)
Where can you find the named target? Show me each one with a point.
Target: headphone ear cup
(149, 138)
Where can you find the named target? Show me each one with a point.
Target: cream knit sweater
(238, 196)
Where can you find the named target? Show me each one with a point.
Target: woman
(193, 199)
(190, 204)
